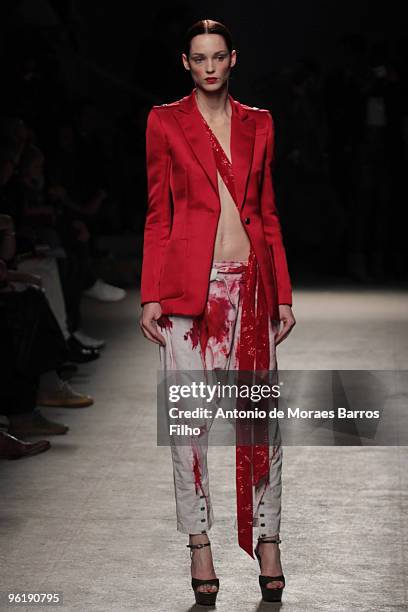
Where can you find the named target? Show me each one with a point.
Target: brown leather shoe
(12, 448)
(64, 397)
(34, 424)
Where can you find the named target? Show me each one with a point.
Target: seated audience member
(80, 278)
(18, 389)
(35, 328)
(74, 188)
(70, 233)
(34, 258)
(37, 240)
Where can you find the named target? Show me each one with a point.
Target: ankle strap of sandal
(198, 545)
(191, 546)
(267, 540)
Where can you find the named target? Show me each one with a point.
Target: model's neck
(215, 107)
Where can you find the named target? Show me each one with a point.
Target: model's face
(209, 59)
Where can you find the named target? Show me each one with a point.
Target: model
(215, 287)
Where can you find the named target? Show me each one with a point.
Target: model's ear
(185, 61)
(233, 58)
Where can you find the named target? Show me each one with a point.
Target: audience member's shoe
(87, 341)
(78, 354)
(104, 292)
(67, 370)
(34, 424)
(12, 448)
(64, 397)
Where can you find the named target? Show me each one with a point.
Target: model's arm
(158, 217)
(157, 225)
(274, 239)
(271, 222)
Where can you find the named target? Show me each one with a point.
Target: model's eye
(222, 57)
(198, 60)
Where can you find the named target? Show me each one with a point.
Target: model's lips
(211, 79)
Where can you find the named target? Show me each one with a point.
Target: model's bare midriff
(231, 241)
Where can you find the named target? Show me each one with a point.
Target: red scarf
(252, 460)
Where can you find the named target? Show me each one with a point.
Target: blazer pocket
(172, 275)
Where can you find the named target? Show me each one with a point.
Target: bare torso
(231, 242)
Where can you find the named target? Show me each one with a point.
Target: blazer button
(247, 220)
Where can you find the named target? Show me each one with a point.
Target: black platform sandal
(269, 594)
(202, 598)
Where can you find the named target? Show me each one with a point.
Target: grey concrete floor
(94, 517)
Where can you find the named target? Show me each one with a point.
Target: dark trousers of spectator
(32, 343)
(75, 271)
(76, 276)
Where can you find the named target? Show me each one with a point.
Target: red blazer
(184, 206)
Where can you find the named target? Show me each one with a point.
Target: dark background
(340, 176)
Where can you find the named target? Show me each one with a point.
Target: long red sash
(252, 460)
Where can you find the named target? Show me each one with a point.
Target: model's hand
(286, 317)
(151, 312)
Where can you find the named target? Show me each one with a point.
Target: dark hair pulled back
(207, 26)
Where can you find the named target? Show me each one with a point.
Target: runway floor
(94, 517)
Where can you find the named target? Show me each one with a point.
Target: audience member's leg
(47, 269)
(71, 280)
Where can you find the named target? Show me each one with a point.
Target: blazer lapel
(242, 148)
(191, 123)
(242, 142)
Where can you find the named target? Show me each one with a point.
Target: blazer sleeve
(158, 217)
(271, 223)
